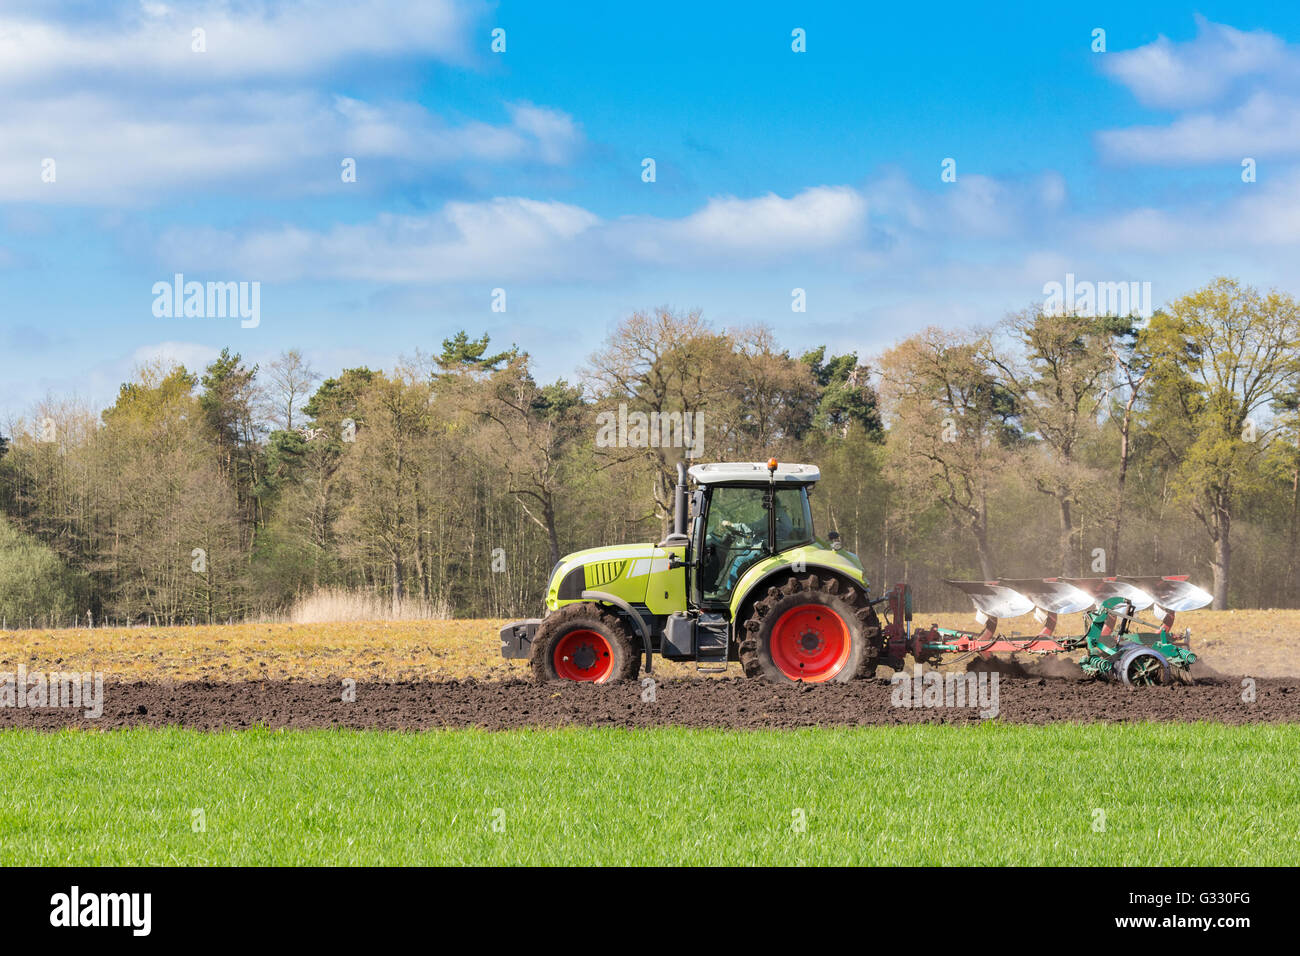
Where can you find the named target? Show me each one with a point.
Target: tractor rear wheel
(812, 630)
(583, 642)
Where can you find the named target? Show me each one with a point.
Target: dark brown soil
(728, 702)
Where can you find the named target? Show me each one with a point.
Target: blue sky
(522, 170)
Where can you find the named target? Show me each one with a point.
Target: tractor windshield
(736, 533)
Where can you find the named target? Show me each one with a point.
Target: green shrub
(34, 582)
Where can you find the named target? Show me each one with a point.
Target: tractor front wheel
(810, 630)
(582, 642)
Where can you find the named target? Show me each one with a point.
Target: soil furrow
(722, 703)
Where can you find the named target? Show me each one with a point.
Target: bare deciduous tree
(287, 385)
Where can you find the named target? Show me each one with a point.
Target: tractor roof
(753, 473)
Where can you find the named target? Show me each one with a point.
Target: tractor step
(712, 643)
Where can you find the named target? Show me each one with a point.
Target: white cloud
(1262, 216)
(496, 240)
(761, 229)
(974, 207)
(517, 238)
(823, 216)
(1266, 125)
(408, 131)
(556, 134)
(113, 150)
(130, 113)
(513, 237)
(1237, 93)
(1199, 71)
(979, 206)
(259, 39)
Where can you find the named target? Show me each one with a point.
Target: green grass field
(1187, 794)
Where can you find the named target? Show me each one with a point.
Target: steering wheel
(737, 530)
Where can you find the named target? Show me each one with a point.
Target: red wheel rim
(810, 643)
(584, 655)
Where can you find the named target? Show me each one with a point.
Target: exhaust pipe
(679, 505)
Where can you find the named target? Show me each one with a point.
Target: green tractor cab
(742, 577)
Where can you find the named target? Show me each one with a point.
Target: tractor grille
(602, 572)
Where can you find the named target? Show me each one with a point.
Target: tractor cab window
(793, 518)
(735, 537)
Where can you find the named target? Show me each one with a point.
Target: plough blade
(1052, 595)
(1102, 588)
(992, 599)
(1173, 593)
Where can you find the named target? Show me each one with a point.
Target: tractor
(744, 579)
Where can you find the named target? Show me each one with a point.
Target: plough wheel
(1142, 667)
(810, 630)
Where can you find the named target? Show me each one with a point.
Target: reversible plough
(1115, 644)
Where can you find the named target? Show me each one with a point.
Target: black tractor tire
(765, 632)
(586, 643)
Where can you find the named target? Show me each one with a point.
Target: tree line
(1049, 443)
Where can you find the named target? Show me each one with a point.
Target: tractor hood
(637, 573)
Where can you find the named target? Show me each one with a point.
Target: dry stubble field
(1256, 643)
